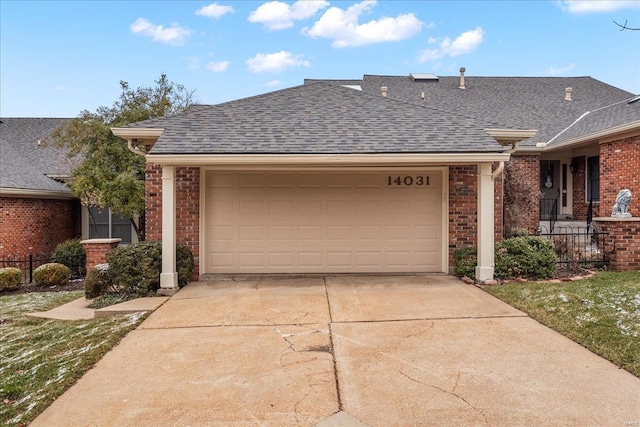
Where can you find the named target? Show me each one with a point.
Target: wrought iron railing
(31, 262)
(583, 246)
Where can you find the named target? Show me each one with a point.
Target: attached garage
(320, 178)
(325, 221)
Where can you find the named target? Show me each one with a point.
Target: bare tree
(624, 26)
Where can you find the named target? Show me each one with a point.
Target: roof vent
(462, 70)
(567, 94)
(423, 77)
(384, 89)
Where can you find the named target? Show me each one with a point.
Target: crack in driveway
(450, 393)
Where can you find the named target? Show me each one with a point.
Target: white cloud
(595, 6)
(277, 15)
(465, 43)
(214, 11)
(218, 67)
(557, 71)
(274, 83)
(174, 35)
(274, 62)
(342, 26)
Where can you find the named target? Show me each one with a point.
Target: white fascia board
(326, 160)
(137, 133)
(35, 194)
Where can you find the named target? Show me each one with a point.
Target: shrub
(184, 264)
(72, 254)
(532, 257)
(98, 282)
(51, 274)
(136, 267)
(465, 261)
(10, 278)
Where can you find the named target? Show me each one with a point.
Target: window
(104, 225)
(593, 178)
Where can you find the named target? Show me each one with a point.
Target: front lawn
(601, 313)
(40, 358)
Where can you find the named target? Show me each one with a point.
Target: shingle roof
(26, 165)
(514, 102)
(611, 116)
(319, 118)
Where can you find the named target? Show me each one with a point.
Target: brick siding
(187, 208)
(96, 250)
(619, 169)
(624, 242)
(36, 225)
(523, 173)
(463, 212)
(580, 205)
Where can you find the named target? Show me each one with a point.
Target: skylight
(423, 77)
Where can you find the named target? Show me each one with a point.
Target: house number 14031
(407, 180)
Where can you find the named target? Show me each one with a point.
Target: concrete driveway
(346, 351)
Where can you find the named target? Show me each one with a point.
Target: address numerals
(407, 180)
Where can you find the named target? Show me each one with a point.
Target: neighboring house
(37, 210)
(385, 174)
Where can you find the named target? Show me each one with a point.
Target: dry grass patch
(601, 313)
(42, 358)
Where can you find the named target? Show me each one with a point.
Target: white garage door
(323, 222)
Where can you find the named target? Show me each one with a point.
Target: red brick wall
(463, 212)
(624, 239)
(522, 193)
(619, 169)
(579, 189)
(97, 252)
(498, 206)
(187, 208)
(39, 224)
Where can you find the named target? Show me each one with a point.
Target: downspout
(500, 167)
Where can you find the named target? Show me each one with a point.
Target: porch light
(573, 166)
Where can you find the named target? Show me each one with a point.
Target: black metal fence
(31, 262)
(583, 246)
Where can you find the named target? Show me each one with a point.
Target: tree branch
(624, 26)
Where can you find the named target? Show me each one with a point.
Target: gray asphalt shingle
(514, 102)
(319, 118)
(26, 165)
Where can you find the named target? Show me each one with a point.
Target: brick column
(96, 250)
(624, 239)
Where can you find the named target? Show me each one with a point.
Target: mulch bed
(73, 285)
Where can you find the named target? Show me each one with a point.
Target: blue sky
(59, 58)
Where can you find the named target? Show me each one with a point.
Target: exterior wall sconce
(573, 166)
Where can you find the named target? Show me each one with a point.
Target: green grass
(41, 358)
(601, 313)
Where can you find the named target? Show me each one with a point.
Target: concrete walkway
(79, 309)
(346, 351)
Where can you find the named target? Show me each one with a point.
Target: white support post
(169, 275)
(486, 239)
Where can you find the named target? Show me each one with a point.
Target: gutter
(324, 160)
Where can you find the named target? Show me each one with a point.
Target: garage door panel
(276, 222)
(281, 232)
